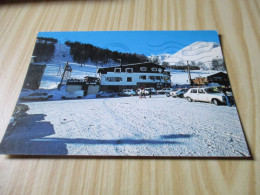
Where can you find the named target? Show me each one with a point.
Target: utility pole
(189, 75)
(67, 68)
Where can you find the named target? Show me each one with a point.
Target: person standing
(226, 96)
(143, 93)
(150, 92)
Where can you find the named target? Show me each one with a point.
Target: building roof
(136, 67)
(218, 74)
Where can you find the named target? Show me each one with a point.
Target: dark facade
(34, 76)
(220, 78)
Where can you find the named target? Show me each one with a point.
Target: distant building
(82, 84)
(220, 78)
(133, 76)
(34, 75)
(200, 81)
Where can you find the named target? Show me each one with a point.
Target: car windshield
(212, 90)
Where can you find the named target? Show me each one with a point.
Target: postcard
(126, 94)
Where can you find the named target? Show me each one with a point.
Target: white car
(36, 96)
(145, 91)
(73, 95)
(153, 91)
(26, 92)
(164, 90)
(127, 92)
(178, 93)
(207, 94)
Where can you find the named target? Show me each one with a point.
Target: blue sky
(140, 42)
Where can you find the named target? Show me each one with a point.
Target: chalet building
(133, 76)
(220, 78)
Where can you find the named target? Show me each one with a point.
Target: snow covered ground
(157, 126)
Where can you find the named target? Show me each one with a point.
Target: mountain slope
(199, 52)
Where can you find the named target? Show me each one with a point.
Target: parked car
(26, 92)
(178, 93)
(168, 93)
(145, 91)
(152, 90)
(127, 92)
(73, 95)
(36, 96)
(108, 93)
(207, 94)
(164, 90)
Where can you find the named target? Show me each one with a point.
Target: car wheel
(62, 97)
(181, 96)
(189, 99)
(79, 97)
(216, 102)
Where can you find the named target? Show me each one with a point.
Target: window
(143, 69)
(154, 69)
(129, 70)
(158, 78)
(143, 77)
(152, 78)
(117, 69)
(113, 79)
(200, 91)
(194, 91)
(129, 79)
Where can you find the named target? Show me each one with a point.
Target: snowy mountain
(200, 52)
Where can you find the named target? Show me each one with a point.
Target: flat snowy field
(127, 126)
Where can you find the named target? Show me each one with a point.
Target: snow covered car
(207, 94)
(178, 93)
(152, 90)
(127, 92)
(108, 93)
(36, 96)
(164, 90)
(73, 95)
